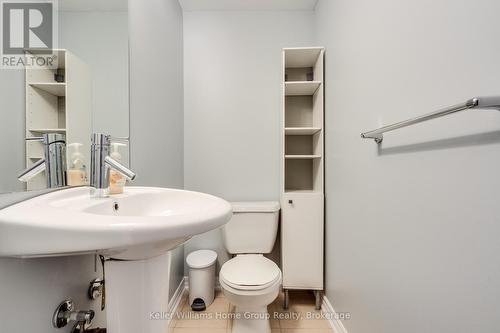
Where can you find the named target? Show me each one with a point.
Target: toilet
(249, 280)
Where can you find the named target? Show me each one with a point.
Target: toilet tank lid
(255, 206)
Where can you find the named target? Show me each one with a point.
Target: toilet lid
(201, 259)
(249, 270)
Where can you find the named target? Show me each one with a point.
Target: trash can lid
(201, 258)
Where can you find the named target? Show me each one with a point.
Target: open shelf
(302, 157)
(47, 130)
(301, 88)
(56, 89)
(301, 57)
(305, 74)
(301, 130)
(303, 110)
(298, 111)
(303, 175)
(301, 191)
(59, 53)
(303, 145)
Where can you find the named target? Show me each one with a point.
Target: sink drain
(116, 206)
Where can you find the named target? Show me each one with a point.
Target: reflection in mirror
(48, 115)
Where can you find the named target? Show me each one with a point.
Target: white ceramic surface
(250, 281)
(137, 295)
(148, 221)
(251, 301)
(253, 227)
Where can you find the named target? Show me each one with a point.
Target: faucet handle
(49, 138)
(106, 139)
(113, 164)
(35, 138)
(32, 171)
(124, 139)
(100, 139)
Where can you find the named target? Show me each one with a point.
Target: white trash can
(201, 265)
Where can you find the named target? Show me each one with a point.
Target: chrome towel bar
(489, 102)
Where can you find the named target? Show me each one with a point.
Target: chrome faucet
(101, 163)
(54, 161)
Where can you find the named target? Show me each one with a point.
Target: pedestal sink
(134, 228)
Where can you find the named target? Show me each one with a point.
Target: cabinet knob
(290, 202)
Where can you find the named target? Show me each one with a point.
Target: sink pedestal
(137, 295)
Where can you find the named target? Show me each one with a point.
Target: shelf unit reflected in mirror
(57, 107)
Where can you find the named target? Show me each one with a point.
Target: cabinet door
(302, 240)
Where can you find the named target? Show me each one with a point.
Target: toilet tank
(253, 227)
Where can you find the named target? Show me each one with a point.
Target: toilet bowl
(250, 281)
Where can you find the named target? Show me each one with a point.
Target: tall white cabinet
(57, 107)
(302, 195)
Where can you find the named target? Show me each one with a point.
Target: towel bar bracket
(378, 137)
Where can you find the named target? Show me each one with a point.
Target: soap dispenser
(116, 179)
(77, 173)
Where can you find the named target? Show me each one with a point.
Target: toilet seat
(250, 272)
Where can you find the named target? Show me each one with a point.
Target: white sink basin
(141, 223)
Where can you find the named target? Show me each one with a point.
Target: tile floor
(217, 318)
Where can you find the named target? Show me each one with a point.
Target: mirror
(86, 92)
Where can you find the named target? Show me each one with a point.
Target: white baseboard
(174, 303)
(337, 325)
